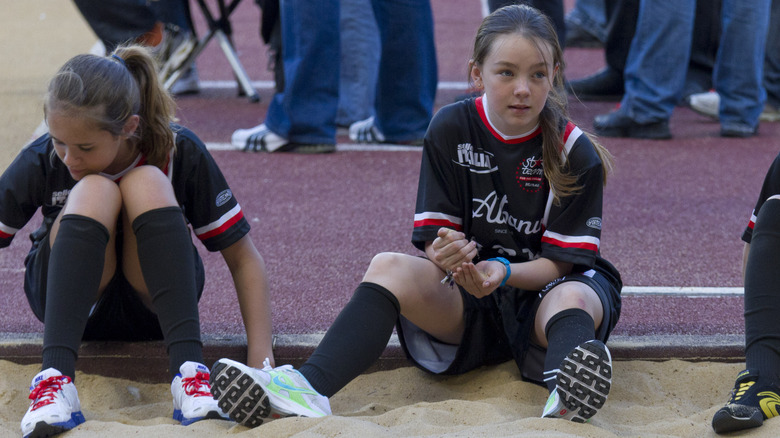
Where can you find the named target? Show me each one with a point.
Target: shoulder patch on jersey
(223, 197)
(594, 222)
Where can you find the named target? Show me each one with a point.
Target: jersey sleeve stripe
(584, 242)
(570, 136)
(437, 223)
(6, 231)
(437, 219)
(220, 225)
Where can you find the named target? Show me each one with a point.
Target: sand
(648, 399)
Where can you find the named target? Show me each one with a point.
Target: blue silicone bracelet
(508, 268)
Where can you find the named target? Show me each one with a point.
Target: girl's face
(86, 149)
(517, 77)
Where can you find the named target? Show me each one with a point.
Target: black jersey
(770, 189)
(493, 189)
(38, 178)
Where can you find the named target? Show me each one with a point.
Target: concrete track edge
(148, 361)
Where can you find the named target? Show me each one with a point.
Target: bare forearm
(536, 274)
(251, 282)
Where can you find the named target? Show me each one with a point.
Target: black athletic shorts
(118, 315)
(499, 327)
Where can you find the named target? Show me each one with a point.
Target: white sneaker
(582, 383)
(706, 104)
(250, 396)
(257, 139)
(365, 131)
(55, 405)
(192, 400)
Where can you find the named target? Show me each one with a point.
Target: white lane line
(267, 85)
(215, 146)
(683, 291)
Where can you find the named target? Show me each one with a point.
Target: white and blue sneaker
(251, 396)
(55, 405)
(583, 381)
(192, 399)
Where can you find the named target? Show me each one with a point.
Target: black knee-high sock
(75, 268)
(565, 331)
(168, 266)
(762, 294)
(355, 340)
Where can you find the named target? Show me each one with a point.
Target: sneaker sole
(238, 395)
(211, 415)
(584, 380)
(724, 421)
(43, 429)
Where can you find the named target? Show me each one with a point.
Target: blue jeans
(408, 72)
(660, 51)
(657, 61)
(590, 15)
(772, 57)
(360, 50)
(306, 111)
(739, 69)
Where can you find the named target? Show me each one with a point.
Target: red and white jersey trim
(570, 136)
(437, 219)
(6, 231)
(753, 216)
(562, 241)
(221, 224)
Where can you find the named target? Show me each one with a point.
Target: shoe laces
(743, 388)
(43, 394)
(197, 386)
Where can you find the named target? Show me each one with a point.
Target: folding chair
(219, 27)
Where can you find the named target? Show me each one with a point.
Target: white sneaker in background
(706, 104)
(257, 139)
(365, 131)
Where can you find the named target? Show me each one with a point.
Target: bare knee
(568, 295)
(386, 269)
(96, 197)
(146, 188)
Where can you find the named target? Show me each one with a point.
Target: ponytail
(157, 109)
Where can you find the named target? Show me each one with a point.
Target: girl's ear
(476, 75)
(130, 126)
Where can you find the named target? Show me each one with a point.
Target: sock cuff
(84, 223)
(62, 358)
(156, 216)
(577, 314)
(766, 219)
(382, 291)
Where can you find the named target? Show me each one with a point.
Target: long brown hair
(111, 89)
(536, 27)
